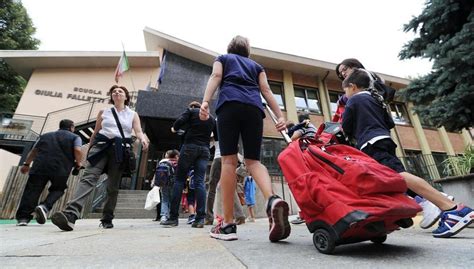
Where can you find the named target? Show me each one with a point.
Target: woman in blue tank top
(241, 82)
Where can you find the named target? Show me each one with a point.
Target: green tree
(445, 96)
(16, 31)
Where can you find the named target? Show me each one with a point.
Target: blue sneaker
(452, 222)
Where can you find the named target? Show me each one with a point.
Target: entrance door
(161, 140)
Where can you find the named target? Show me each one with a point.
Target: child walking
(367, 121)
(166, 188)
(250, 189)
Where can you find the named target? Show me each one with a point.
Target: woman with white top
(105, 156)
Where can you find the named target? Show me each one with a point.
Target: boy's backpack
(164, 174)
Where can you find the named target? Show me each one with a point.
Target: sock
(454, 208)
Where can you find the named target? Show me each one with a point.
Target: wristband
(26, 164)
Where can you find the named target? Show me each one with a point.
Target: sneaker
(106, 224)
(191, 219)
(22, 222)
(163, 219)
(240, 220)
(226, 233)
(249, 219)
(41, 214)
(170, 223)
(452, 222)
(297, 221)
(277, 212)
(209, 222)
(198, 223)
(431, 213)
(64, 220)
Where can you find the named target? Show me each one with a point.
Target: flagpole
(130, 71)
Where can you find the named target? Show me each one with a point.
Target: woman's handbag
(129, 158)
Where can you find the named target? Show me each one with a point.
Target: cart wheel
(379, 240)
(323, 241)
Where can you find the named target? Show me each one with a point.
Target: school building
(74, 85)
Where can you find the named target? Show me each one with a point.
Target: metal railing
(80, 114)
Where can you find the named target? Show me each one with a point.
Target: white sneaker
(431, 213)
(249, 219)
(163, 219)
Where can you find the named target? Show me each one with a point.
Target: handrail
(90, 106)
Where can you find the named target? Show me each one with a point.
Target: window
(416, 164)
(333, 97)
(399, 113)
(277, 90)
(307, 99)
(270, 150)
(439, 158)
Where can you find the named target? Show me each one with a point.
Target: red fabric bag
(331, 182)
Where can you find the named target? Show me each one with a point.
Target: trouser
(211, 186)
(89, 180)
(34, 188)
(191, 156)
(166, 193)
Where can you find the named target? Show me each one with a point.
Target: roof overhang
(155, 39)
(26, 61)
(269, 59)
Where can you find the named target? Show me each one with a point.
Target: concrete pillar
(466, 137)
(425, 147)
(289, 94)
(448, 147)
(324, 98)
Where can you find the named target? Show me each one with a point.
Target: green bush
(460, 165)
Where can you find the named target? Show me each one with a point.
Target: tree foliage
(16, 33)
(445, 96)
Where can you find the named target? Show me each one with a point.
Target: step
(131, 200)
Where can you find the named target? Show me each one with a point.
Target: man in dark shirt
(194, 153)
(54, 155)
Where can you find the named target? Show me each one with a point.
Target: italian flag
(121, 67)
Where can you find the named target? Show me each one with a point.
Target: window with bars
(270, 150)
(307, 99)
(399, 113)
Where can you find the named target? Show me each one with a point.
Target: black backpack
(164, 174)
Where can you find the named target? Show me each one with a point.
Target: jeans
(166, 193)
(34, 188)
(191, 156)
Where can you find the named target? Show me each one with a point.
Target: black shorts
(234, 120)
(383, 151)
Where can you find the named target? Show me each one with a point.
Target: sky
(327, 30)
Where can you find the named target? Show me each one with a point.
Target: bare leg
(422, 188)
(251, 213)
(228, 184)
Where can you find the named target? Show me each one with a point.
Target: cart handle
(275, 120)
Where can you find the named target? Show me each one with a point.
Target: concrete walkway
(141, 243)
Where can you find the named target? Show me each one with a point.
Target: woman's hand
(281, 124)
(145, 143)
(204, 111)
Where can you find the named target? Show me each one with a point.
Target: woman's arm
(268, 95)
(137, 127)
(98, 126)
(212, 84)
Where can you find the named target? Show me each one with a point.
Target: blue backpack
(164, 174)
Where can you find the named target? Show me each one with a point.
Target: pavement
(142, 243)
